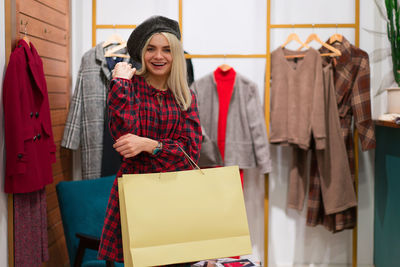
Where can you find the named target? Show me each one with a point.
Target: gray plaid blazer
(85, 122)
(246, 143)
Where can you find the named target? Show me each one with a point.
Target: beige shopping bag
(183, 216)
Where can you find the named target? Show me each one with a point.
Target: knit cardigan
(297, 99)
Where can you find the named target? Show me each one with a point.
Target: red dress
(134, 107)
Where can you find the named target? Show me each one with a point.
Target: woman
(153, 115)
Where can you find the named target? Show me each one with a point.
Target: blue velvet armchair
(83, 206)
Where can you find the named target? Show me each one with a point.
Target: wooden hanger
(294, 37)
(111, 52)
(314, 37)
(224, 67)
(113, 39)
(336, 38)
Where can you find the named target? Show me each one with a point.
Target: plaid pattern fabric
(352, 84)
(138, 108)
(316, 212)
(85, 123)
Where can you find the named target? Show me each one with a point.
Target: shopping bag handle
(191, 161)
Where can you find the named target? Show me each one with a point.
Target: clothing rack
(267, 56)
(356, 27)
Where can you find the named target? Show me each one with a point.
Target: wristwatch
(157, 148)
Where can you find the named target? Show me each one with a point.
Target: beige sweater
(297, 99)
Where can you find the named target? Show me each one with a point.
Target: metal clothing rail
(282, 26)
(96, 26)
(267, 56)
(226, 56)
(356, 26)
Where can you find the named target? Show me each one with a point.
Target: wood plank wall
(48, 28)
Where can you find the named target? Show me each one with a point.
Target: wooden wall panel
(62, 152)
(59, 5)
(42, 30)
(52, 202)
(52, 187)
(54, 67)
(56, 179)
(57, 101)
(46, 23)
(58, 132)
(55, 232)
(57, 84)
(49, 50)
(57, 252)
(53, 217)
(58, 116)
(43, 13)
(61, 166)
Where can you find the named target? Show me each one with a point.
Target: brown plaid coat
(352, 84)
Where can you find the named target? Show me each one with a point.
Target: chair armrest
(90, 242)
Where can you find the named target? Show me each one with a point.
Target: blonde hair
(177, 79)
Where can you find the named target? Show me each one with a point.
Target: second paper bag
(183, 216)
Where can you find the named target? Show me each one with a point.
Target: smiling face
(158, 57)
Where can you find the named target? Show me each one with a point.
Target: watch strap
(157, 148)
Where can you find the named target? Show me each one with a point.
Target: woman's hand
(130, 145)
(123, 70)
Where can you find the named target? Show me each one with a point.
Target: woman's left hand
(130, 145)
(123, 70)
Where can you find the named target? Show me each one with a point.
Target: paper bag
(183, 216)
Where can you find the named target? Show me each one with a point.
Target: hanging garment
(246, 140)
(337, 189)
(352, 85)
(151, 113)
(30, 148)
(189, 69)
(30, 151)
(110, 158)
(297, 100)
(225, 81)
(85, 123)
(30, 228)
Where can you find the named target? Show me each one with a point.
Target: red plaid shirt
(138, 108)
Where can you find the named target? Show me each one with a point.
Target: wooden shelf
(386, 123)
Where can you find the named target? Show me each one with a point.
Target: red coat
(30, 149)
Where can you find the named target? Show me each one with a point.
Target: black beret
(146, 29)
